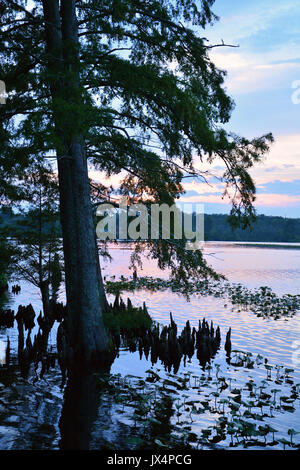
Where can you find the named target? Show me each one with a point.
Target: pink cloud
(279, 200)
(271, 200)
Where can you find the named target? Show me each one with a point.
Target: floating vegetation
(263, 302)
(245, 402)
(204, 410)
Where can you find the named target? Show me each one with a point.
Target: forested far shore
(216, 226)
(264, 229)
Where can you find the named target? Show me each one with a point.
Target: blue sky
(261, 73)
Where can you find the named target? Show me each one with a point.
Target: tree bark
(103, 298)
(87, 335)
(44, 288)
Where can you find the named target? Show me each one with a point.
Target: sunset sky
(260, 77)
(263, 76)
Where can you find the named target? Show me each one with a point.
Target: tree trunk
(103, 298)
(44, 288)
(87, 335)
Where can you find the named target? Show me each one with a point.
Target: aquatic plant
(263, 302)
(239, 422)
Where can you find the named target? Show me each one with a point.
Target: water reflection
(80, 410)
(35, 360)
(253, 266)
(35, 413)
(2, 353)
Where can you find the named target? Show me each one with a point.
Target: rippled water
(277, 340)
(253, 266)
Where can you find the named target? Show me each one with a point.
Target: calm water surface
(252, 266)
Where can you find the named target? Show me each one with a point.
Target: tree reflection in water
(83, 414)
(80, 410)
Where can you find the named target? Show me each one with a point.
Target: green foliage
(6, 253)
(137, 114)
(4, 256)
(55, 274)
(3, 281)
(267, 229)
(264, 229)
(129, 319)
(36, 246)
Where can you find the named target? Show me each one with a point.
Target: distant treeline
(13, 224)
(264, 229)
(217, 228)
